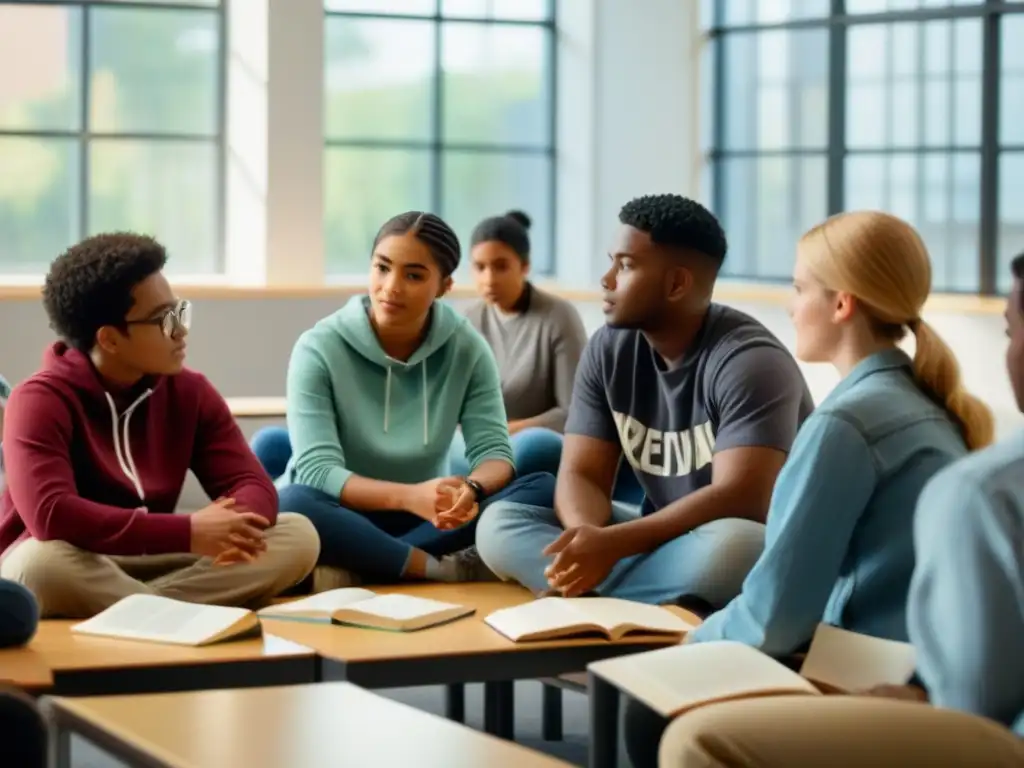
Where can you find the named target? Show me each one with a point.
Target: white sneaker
(466, 565)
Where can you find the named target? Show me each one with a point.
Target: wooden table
(305, 726)
(256, 407)
(464, 651)
(25, 668)
(83, 665)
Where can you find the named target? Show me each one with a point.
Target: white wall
(627, 116)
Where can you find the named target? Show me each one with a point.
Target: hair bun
(520, 218)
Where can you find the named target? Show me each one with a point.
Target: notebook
(363, 608)
(551, 618)
(674, 680)
(163, 620)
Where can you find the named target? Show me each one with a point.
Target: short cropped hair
(90, 285)
(677, 222)
(1017, 267)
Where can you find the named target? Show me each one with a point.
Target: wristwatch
(478, 490)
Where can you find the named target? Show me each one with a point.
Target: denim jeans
(710, 562)
(273, 448)
(376, 545)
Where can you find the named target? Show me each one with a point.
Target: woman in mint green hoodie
(375, 394)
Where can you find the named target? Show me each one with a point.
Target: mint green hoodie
(354, 410)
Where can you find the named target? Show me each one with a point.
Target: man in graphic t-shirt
(700, 399)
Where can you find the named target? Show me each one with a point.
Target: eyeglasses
(174, 321)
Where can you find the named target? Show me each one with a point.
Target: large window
(910, 106)
(438, 105)
(110, 119)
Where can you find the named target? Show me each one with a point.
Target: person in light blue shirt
(839, 539)
(966, 622)
(966, 614)
(375, 393)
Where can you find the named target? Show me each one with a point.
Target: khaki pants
(835, 731)
(71, 583)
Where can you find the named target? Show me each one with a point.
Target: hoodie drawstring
(122, 446)
(387, 402)
(423, 367)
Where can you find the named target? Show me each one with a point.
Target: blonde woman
(966, 534)
(839, 542)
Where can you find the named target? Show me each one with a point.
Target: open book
(551, 618)
(163, 620)
(683, 677)
(363, 608)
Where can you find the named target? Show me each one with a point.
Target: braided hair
(432, 231)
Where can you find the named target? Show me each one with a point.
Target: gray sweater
(537, 351)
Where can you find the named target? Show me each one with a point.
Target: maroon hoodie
(102, 469)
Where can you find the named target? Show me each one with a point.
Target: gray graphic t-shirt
(738, 387)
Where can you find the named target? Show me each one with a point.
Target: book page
(674, 679)
(610, 612)
(149, 617)
(400, 607)
(853, 662)
(324, 603)
(543, 615)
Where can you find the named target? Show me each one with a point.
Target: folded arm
(485, 425)
(316, 444)
(223, 462)
(37, 441)
(586, 478)
(591, 451)
(820, 497)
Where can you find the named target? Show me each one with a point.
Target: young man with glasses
(98, 442)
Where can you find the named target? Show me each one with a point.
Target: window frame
(437, 146)
(837, 24)
(84, 136)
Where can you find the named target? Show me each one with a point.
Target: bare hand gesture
(457, 504)
(584, 556)
(224, 526)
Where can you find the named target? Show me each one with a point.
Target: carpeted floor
(573, 748)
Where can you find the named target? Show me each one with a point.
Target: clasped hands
(228, 532)
(447, 502)
(584, 556)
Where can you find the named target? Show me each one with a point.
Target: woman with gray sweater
(537, 340)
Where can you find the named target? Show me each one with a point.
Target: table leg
(551, 713)
(499, 708)
(60, 747)
(455, 702)
(604, 723)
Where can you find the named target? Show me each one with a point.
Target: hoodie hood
(352, 323)
(71, 370)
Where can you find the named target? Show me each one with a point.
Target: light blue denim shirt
(839, 540)
(966, 609)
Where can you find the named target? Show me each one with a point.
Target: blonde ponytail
(938, 373)
(882, 260)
